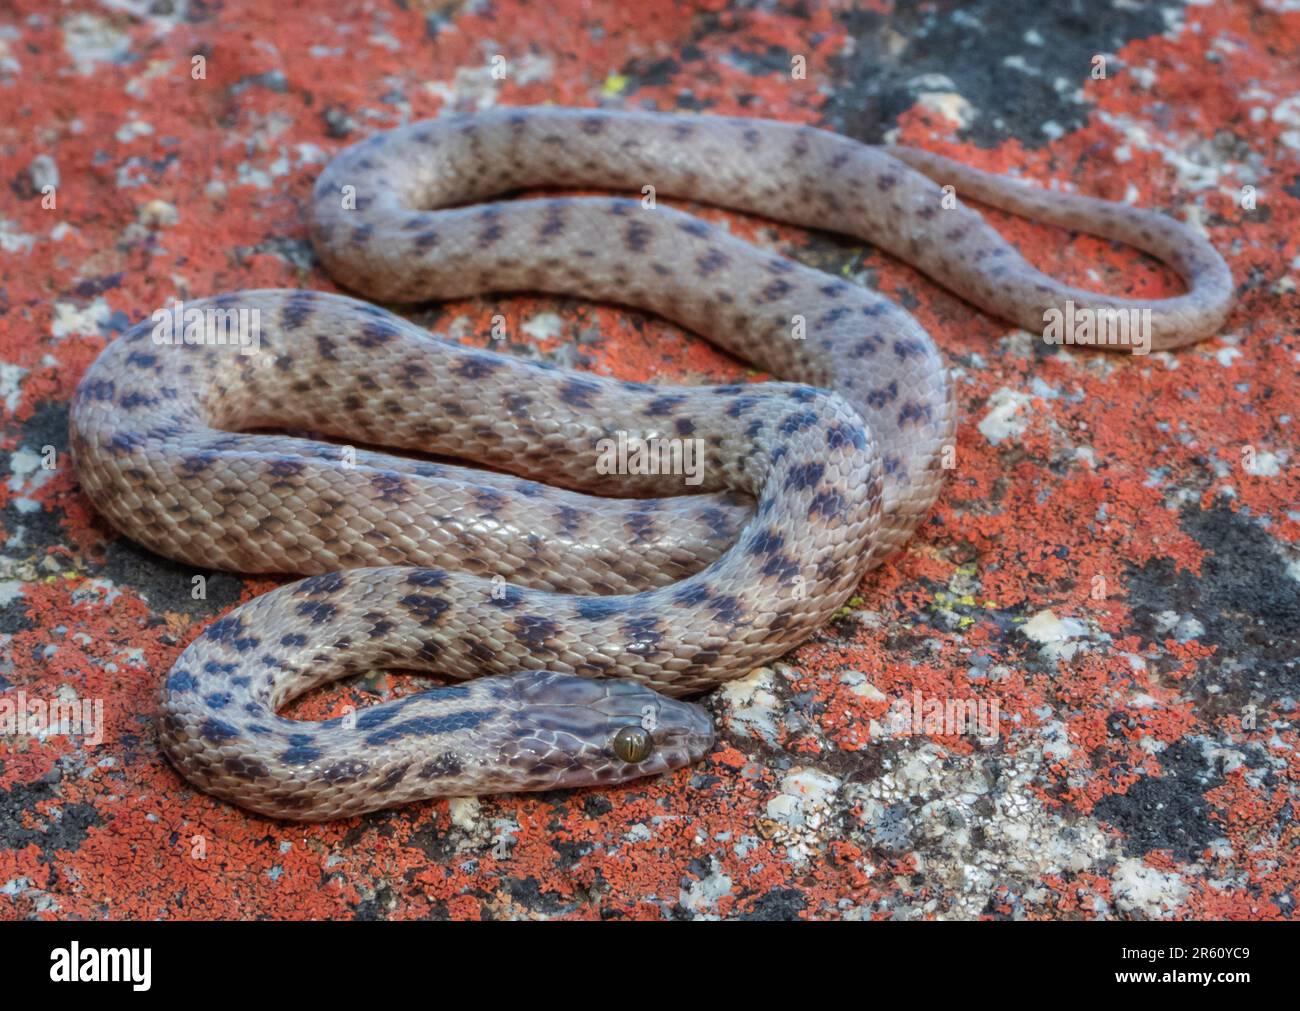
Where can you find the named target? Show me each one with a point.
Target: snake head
(573, 731)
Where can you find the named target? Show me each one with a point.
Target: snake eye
(633, 744)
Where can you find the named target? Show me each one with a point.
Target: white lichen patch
(1196, 161)
(545, 326)
(27, 471)
(1138, 888)
(1058, 638)
(1287, 113)
(800, 816)
(477, 88)
(79, 320)
(1182, 627)
(11, 379)
(12, 240)
(860, 686)
(700, 896)
(1007, 417)
(464, 812)
(157, 213)
(750, 706)
(975, 829)
(1265, 464)
(101, 592)
(9, 64)
(938, 93)
(89, 39)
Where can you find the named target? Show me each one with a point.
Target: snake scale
(595, 600)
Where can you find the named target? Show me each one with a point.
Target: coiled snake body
(593, 613)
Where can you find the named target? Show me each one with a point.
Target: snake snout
(684, 729)
(607, 731)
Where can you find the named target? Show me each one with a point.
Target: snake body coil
(593, 613)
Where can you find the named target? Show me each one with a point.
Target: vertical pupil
(632, 744)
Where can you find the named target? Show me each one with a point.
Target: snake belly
(571, 606)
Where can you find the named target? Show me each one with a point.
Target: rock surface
(1110, 580)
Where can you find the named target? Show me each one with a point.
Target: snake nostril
(632, 744)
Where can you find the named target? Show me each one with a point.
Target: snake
(571, 596)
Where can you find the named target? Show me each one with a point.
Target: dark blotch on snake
(797, 422)
(476, 367)
(711, 262)
(297, 310)
(285, 467)
(429, 726)
(719, 524)
(395, 776)
(827, 504)
(691, 594)
(595, 608)
(427, 577)
(841, 434)
(390, 487)
(426, 608)
(490, 500)
(727, 608)
(570, 520)
(225, 629)
(217, 731)
(912, 411)
(638, 236)
(317, 610)
(579, 392)
(346, 771)
(133, 400)
(326, 583)
(804, 476)
(196, 463)
(643, 634)
(775, 290)
(641, 526)
(517, 404)
(533, 630)
(781, 566)
(740, 405)
(446, 764)
(98, 389)
(765, 542)
(300, 755)
(247, 769)
(878, 398)
(661, 406)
